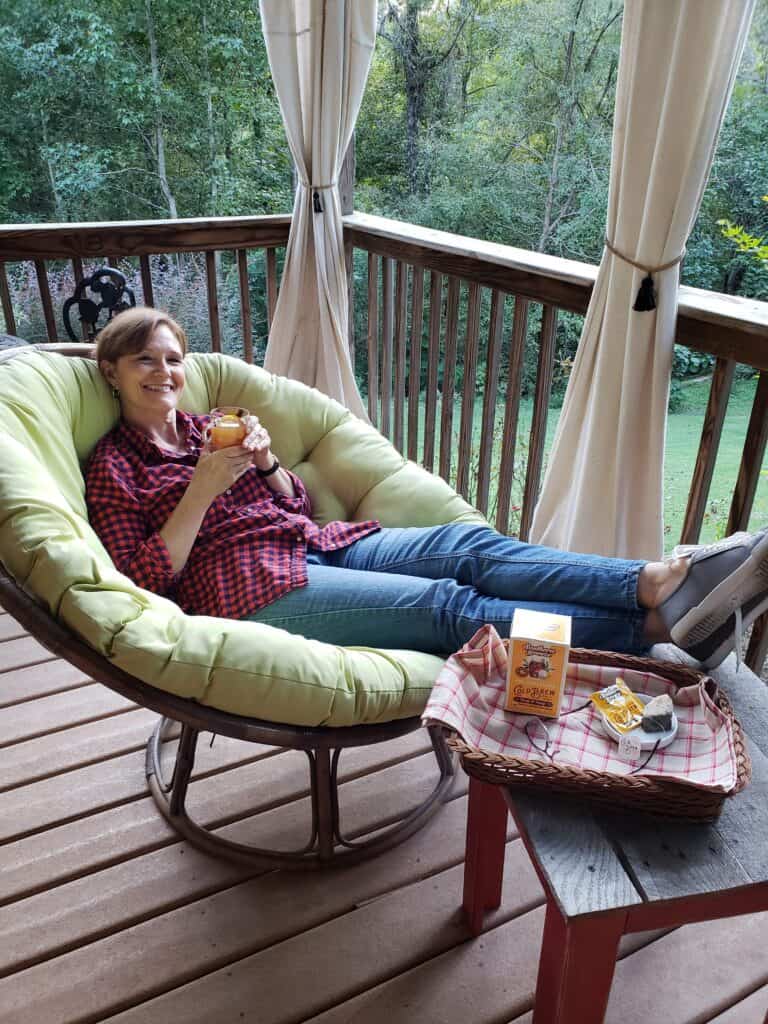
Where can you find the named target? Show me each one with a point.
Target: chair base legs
(327, 845)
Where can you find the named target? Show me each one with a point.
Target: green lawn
(683, 435)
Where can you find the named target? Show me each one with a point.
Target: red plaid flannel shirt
(252, 545)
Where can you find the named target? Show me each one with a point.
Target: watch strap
(272, 469)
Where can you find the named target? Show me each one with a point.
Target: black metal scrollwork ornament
(115, 295)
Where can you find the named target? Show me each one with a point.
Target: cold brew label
(538, 658)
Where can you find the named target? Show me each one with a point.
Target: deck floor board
(106, 916)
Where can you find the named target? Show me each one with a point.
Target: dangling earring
(115, 393)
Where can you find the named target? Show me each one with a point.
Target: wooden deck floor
(104, 916)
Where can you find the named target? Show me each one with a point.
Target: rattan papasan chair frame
(327, 844)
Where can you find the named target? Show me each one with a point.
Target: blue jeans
(430, 588)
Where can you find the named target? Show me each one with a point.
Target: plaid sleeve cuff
(300, 503)
(151, 566)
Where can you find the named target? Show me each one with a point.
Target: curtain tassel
(646, 295)
(317, 206)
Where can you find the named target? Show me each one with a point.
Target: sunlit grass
(683, 436)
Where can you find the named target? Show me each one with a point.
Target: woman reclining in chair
(230, 533)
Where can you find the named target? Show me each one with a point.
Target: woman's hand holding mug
(258, 442)
(216, 471)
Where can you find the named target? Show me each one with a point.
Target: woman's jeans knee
(431, 588)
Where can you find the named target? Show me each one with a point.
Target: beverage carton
(538, 658)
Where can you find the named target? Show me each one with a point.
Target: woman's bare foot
(703, 600)
(659, 580)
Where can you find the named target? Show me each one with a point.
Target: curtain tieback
(646, 295)
(317, 206)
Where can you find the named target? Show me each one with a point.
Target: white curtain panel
(319, 52)
(603, 490)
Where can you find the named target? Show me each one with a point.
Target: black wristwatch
(272, 469)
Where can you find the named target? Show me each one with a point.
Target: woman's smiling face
(149, 381)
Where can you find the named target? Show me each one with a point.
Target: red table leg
(484, 863)
(578, 957)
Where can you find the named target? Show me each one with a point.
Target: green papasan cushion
(53, 410)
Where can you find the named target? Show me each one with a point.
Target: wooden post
(146, 281)
(245, 304)
(373, 338)
(751, 459)
(708, 448)
(471, 342)
(484, 856)
(347, 180)
(433, 356)
(449, 378)
(511, 413)
(213, 301)
(540, 410)
(5, 297)
(414, 367)
(490, 397)
(271, 285)
(45, 296)
(347, 199)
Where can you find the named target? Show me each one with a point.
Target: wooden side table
(607, 874)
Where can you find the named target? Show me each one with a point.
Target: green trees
(488, 118)
(125, 111)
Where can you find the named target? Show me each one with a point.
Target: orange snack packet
(619, 705)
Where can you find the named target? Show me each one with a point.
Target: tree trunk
(414, 93)
(209, 121)
(57, 203)
(158, 126)
(564, 120)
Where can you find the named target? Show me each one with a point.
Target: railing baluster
(349, 262)
(711, 431)
(751, 459)
(373, 338)
(758, 644)
(45, 295)
(449, 378)
(387, 301)
(471, 345)
(5, 297)
(511, 413)
(271, 286)
(401, 324)
(146, 281)
(77, 270)
(245, 304)
(539, 423)
(213, 300)
(743, 499)
(490, 396)
(433, 359)
(414, 367)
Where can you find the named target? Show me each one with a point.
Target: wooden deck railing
(432, 303)
(108, 243)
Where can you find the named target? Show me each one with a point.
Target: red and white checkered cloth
(470, 693)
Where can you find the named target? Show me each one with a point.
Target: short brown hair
(130, 331)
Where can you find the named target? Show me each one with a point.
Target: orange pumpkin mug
(227, 426)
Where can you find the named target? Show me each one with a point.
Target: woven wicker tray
(661, 797)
